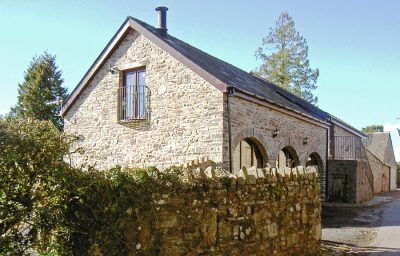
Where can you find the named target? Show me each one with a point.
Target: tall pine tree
(284, 56)
(42, 85)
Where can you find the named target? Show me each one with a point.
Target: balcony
(132, 103)
(348, 148)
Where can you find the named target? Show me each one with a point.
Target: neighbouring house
(380, 154)
(151, 99)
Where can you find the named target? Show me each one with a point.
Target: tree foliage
(49, 208)
(372, 128)
(42, 84)
(31, 159)
(284, 56)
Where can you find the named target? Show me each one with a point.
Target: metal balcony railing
(132, 103)
(349, 148)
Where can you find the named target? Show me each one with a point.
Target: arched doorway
(315, 160)
(249, 152)
(287, 157)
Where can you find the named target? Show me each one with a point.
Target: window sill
(128, 121)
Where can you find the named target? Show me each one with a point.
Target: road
(370, 229)
(387, 241)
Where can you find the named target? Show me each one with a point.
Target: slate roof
(221, 73)
(237, 78)
(380, 144)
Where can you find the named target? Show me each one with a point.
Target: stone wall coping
(250, 176)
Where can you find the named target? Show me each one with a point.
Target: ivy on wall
(48, 207)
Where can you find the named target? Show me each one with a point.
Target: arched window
(287, 157)
(247, 154)
(315, 159)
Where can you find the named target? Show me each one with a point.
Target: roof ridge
(204, 52)
(288, 92)
(217, 72)
(280, 92)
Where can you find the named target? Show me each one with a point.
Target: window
(287, 157)
(132, 95)
(247, 154)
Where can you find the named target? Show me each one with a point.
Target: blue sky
(355, 44)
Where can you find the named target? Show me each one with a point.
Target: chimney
(162, 20)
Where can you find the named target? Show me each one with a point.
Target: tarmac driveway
(372, 228)
(387, 241)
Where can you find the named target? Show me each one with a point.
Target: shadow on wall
(250, 152)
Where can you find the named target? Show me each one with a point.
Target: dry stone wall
(256, 212)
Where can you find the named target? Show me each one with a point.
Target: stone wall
(187, 121)
(348, 181)
(380, 172)
(391, 162)
(186, 113)
(256, 212)
(365, 191)
(342, 181)
(251, 120)
(339, 131)
(385, 178)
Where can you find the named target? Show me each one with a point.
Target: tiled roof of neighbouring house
(237, 78)
(380, 144)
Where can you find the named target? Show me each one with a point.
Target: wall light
(114, 70)
(275, 133)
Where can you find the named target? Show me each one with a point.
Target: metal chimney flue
(162, 19)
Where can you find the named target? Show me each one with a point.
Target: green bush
(31, 165)
(50, 208)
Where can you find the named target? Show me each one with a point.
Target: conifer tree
(40, 91)
(284, 56)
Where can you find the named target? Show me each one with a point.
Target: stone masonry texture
(379, 171)
(187, 120)
(357, 187)
(256, 212)
(250, 120)
(364, 185)
(186, 113)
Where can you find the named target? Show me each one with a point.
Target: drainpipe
(230, 93)
(326, 165)
(328, 146)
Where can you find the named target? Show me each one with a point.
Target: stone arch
(287, 157)
(249, 152)
(315, 159)
(256, 135)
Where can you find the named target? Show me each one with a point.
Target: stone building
(349, 176)
(380, 154)
(150, 99)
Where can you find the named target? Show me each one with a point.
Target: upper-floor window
(132, 95)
